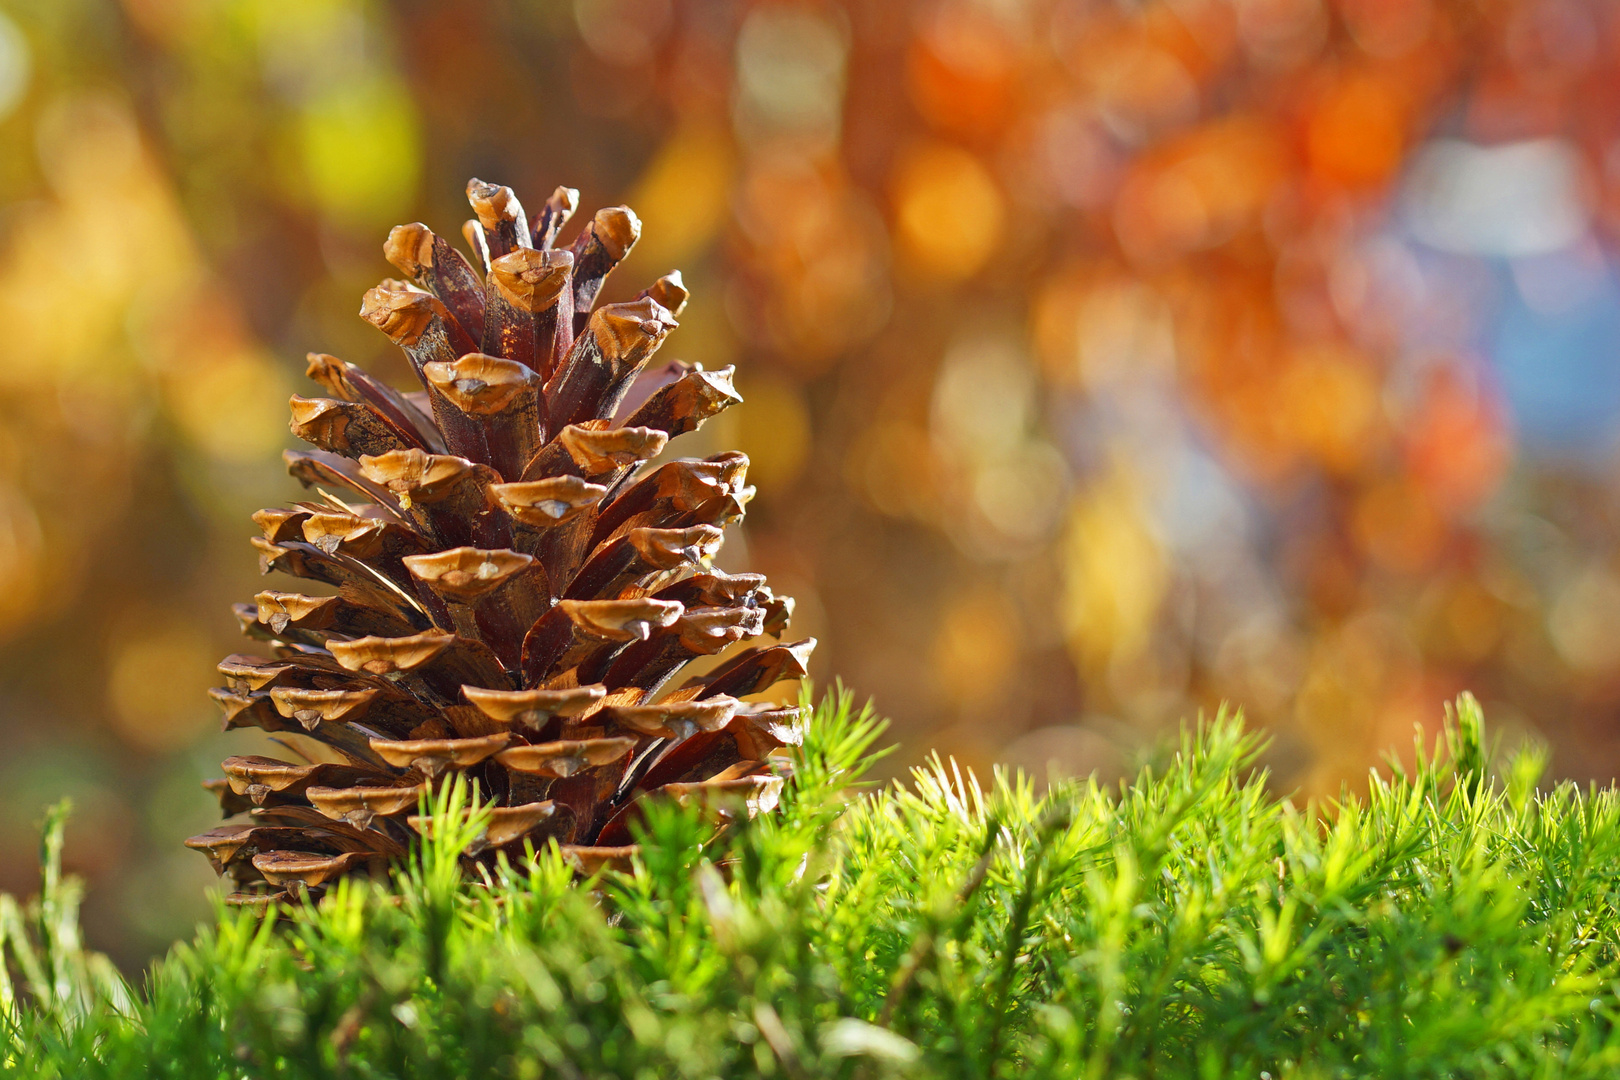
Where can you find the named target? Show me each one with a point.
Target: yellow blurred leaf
(360, 149)
(233, 407)
(682, 197)
(1114, 572)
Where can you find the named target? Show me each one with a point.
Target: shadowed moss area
(1455, 922)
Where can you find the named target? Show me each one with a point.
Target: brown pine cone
(513, 587)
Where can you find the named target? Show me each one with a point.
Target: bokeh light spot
(892, 466)
(1398, 525)
(682, 198)
(975, 647)
(1329, 405)
(1197, 191)
(984, 396)
(949, 212)
(1585, 621)
(1142, 88)
(155, 683)
(1356, 135)
(1387, 28)
(361, 153)
(231, 406)
(1021, 495)
(625, 32)
(1115, 576)
(774, 431)
(16, 65)
(790, 74)
(1512, 199)
(1458, 442)
(961, 71)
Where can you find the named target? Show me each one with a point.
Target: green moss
(1452, 923)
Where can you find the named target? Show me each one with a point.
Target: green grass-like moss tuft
(1453, 923)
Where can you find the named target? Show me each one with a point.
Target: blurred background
(1105, 360)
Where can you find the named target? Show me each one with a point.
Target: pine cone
(512, 584)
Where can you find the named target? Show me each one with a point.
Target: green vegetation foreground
(1190, 924)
